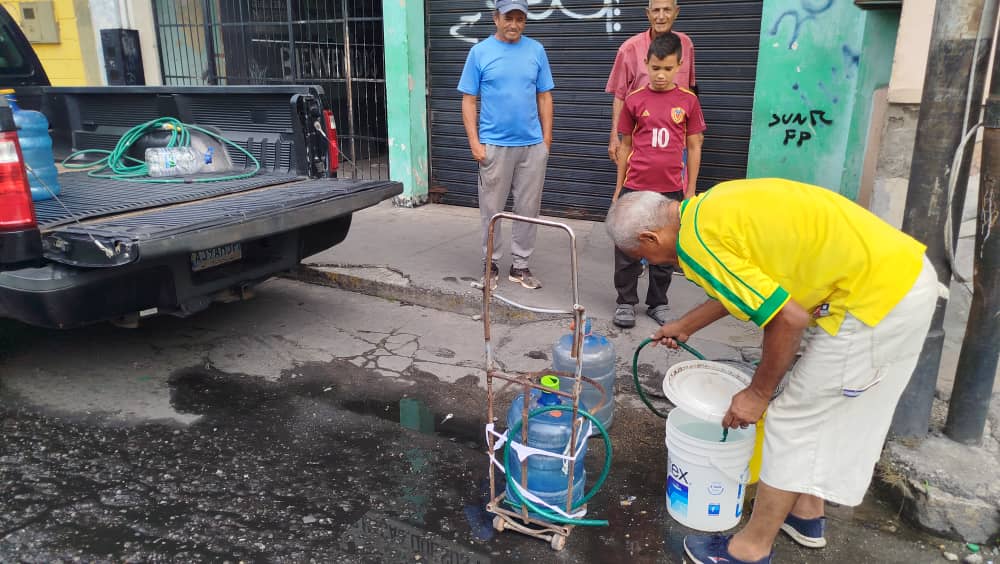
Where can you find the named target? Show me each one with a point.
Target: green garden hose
(128, 169)
(638, 386)
(635, 372)
(549, 515)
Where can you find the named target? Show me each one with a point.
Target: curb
(932, 508)
(389, 283)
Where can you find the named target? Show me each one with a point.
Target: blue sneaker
(714, 549)
(807, 532)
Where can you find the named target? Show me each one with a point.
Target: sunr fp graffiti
(815, 118)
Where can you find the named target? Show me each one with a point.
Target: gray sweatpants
(520, 170)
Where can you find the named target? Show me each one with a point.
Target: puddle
(536, 355)
(413, 414)
(199, 392)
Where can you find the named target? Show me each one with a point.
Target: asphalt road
(311, 425)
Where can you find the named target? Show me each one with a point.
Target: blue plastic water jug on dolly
(597, 354)
(547, 477)
(542, 450)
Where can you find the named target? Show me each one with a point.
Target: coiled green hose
(549, 515)
(128, 169)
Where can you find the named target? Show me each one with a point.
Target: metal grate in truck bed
(88, 197)
(241, 207)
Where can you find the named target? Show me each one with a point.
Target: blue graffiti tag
(810, 14)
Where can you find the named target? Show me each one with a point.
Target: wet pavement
(327, 460)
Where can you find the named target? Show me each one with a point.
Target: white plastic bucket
(706, 478)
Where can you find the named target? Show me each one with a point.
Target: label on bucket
(716, 488)
(677, 496)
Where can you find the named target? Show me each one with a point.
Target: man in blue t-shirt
(511, 139)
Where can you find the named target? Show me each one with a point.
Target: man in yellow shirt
(812, 267)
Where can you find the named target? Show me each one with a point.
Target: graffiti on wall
(607, 12)
(800, 133)
(808, 11)
(799, 125)
(315, 60)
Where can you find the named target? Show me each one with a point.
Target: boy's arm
(694, 143)
(623, 152)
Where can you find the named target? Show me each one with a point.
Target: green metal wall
(819, 63)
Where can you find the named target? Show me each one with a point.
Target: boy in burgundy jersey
(657, 123)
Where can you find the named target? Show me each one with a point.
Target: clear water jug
(548, 477)
(598, 354)
(36, 148)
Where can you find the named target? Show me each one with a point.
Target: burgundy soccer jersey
(659, 123)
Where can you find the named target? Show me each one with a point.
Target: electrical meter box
(38, 22)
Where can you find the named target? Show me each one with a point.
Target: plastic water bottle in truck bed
(36, 148)
(173, 161)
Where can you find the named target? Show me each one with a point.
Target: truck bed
(115, 250)
(83, 197)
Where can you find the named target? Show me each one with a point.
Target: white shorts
(824, 433)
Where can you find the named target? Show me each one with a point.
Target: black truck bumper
(273, 238)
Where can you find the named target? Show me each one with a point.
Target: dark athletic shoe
(714, 549)
(806, 532)
(523, 277)
(494, 276)
(659, 313)
(624, 316)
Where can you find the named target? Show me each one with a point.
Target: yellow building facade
(73, 60)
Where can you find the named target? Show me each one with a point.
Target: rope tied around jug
(549, 515)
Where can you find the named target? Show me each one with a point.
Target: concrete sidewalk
(428, 256)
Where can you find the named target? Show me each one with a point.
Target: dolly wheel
(558, 542)
(498, 523)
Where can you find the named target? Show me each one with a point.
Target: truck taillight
(331, 135)
(16, 210)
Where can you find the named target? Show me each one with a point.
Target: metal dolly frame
(505, 518)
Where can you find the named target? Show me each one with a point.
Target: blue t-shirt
(507, 77)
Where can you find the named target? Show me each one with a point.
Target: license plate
(209, 258)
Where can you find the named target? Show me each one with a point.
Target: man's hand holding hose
(781, 341)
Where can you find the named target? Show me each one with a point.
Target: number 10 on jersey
(661, 137)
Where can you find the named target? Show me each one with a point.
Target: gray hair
(634, 213)
(649, 3)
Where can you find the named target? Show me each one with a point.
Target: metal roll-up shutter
(581, 38)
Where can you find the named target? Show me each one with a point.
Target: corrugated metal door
(581, 38)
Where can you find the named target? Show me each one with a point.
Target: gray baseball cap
(504, 6)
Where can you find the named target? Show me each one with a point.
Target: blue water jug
(598, 354)
(548, 477)
(36, 148)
